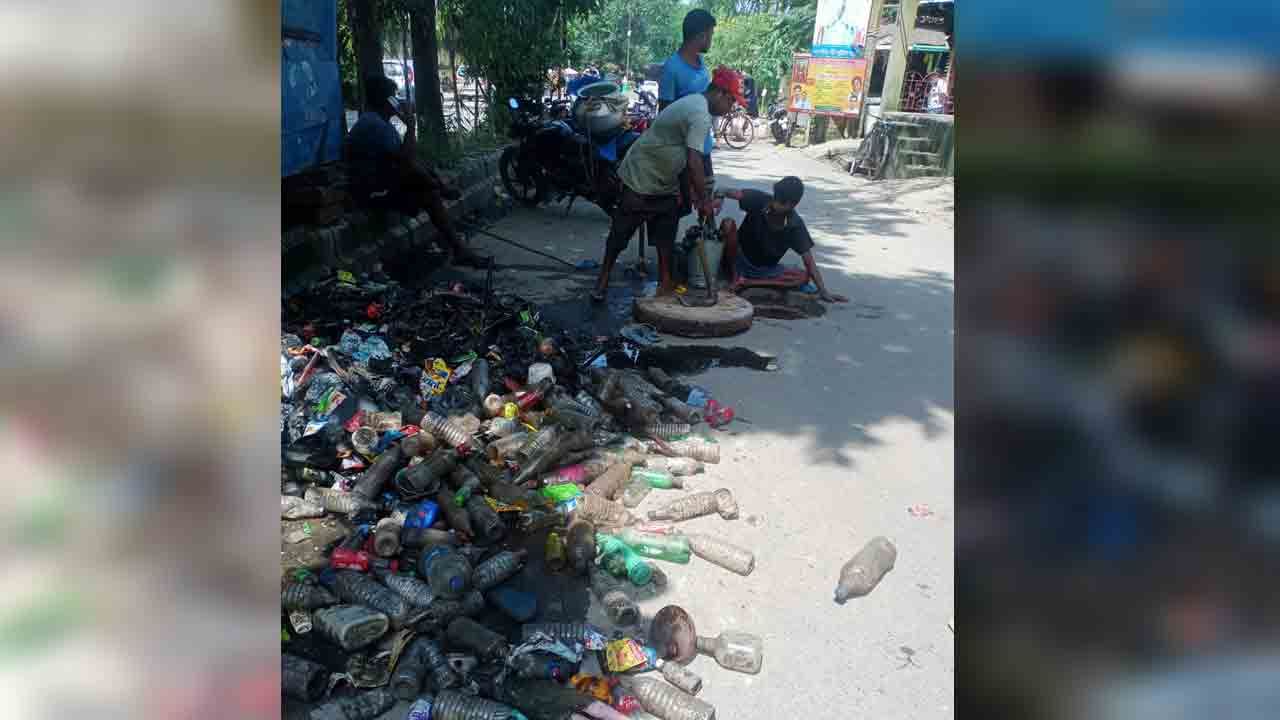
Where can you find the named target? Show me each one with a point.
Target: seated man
(771, 228)
(385, 174)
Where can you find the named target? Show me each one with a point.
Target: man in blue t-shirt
(684, 73)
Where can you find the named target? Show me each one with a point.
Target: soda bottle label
(301, 621)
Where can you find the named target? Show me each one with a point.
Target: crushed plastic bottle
(677, 466)
(350, 627)
(669, 431)
(498, 569)
(635, 492)
(696, 448)
(445, 429)
(360, 589)
(337, 501)
(618, 606)
(687, 413)
(722, 552)
(587, 634)
(370, 484)
(866, 569)
(734, 650)
(440, 672)
(453, 705)
(302, 679)
(580, 546)
(410, 672)
(415, 592)
(507, 447)
(488, 528)
(667, 701)
(680, 676)
(306, 596)
(610, 484)
(446, 570)
(602, 512)
(296, 508)
(657, 478)
(466, 633)
(638, 571)
(367, 705)
(428, 476)
(672, 548)
(698, 504)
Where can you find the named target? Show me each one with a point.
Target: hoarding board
(826, 86)
(840, 30)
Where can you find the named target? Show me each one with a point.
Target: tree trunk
(426, 64)
(366, 28)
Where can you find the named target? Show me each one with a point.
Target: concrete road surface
(853, 429)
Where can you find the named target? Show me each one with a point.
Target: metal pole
(626, 70)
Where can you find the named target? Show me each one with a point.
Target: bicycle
(736, 129)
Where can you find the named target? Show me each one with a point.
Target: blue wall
(311, 113)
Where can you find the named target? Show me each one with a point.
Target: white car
(395, 69)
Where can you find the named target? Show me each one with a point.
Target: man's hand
(833, 298)
(707, 208)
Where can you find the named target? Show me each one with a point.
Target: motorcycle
(642, 114)
(779, 123)
(554, 157)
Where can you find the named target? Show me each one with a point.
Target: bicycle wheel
(739, 131)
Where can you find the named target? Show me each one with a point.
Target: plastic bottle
(537, 444)
(580, 546)
(866, 569)
(296, 508)
(350, 627)
(619, 606)
(457, 517)
(302, 679)
(536, 392)
(453, 705)
(516, 604)
(637, 569)
(501, 427)
(428, 476)
(669, 431)
(553, 553)
(723, 553)
(488, 526)
(337, 501)
(493, 405)
(680, 676)
(415, 592)
(466, 484)
(386, 538)
(677, 466)
(445, 429)
(470, 635)
(576, 473)
(420, 709)
(635, 492)
(426, 537)
(498, 569)
(440, 673)
(364, 706)
(696, 448)
(601, 711)
(422, 515)
(306, 596)
(666, 701)
(370, 484)
(542, 666)
(507, 447)
(610, 484)
(734, 650)
(698, 504)
(410, 672)
(447, 571)
(565, 632)
(588, 403)
(657, 478)
(686, 413)
(602, 512)
(360, 589)
(672, 548)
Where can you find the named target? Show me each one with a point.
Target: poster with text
(840, 30)
(826, 86)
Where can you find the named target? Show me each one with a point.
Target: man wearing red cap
(651, 175)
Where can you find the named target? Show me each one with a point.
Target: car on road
(395, 68)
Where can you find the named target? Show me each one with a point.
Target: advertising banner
(841, 28)
(826, 86)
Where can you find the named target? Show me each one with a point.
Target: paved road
(855, 427)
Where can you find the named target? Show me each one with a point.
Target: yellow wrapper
(622, 655)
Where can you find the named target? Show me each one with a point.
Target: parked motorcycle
(554, 159)
(642, 114)
(779, 123)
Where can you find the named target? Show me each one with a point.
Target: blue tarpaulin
(311, 114)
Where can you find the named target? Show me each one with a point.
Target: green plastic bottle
(657, 478)
(562, 492)
(638, 571)
(672, 548)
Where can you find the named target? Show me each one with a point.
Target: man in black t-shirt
(752, 251)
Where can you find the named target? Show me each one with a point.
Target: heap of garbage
(438, 442)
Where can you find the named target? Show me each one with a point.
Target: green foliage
(600, 38)
(762, 44)
(347, 64)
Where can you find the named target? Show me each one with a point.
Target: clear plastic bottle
(498, 569)
(536, 445)
(308, 596)
(609, 484)
(446, 570)
(486, 524)
(445, 429)
(426, 537)
(657, 478)
(580, 546)
(302, 679)
(415, 592)
(866, 569)
(337, 501)
(296, 508)
(364, 706)
(723, 553)
(566, 632)
(386, 537)
(428, 476)
(734, 650)
(420, 709)
(669, 431)
(466, 482)
(667, 701)
(507, 447)
(468, 634)
(672, 548)
(602, 512)
(638, 570)
(410, 672)
(696, 448)
(618, 606)
(680, 676)
(358, 588)
(440, 673)
(456, 517)
(444, 611)
(501, 427)
(350, 627)
(698, 504)
(453, 705)
(635, 492)
(370, 484)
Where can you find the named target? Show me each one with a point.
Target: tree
(600, 38)
(365, 21)
(762, 44)
(426, 77)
